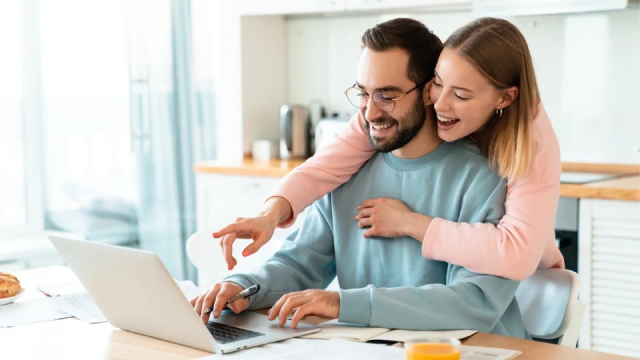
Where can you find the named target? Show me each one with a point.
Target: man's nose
(372, 110)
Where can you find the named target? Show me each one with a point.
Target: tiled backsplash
(588, 68)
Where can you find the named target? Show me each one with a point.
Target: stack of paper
(337, 349)
(81, 306)
(334, 349)
(66, 300)
(30, 312)
(483, 353)
(337, 330)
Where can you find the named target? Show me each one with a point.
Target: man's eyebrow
(455, 87)
(384, 88)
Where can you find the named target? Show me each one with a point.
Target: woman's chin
(448, 136)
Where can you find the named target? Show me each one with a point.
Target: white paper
(188, 288)
(30, 312)
(81, 306)
(334, 349)
(484, 353)
(336, 330)
(338, 349)
(59, 289)
(404, 335)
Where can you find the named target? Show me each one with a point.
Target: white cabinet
(284, 7)
(400, 4)
(223, 198)
(609, 266)
(502, 8)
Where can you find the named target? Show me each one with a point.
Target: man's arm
(468, 301)
(305, 261)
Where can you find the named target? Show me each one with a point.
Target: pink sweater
(522, 241)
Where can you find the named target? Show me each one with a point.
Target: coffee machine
(294, 132)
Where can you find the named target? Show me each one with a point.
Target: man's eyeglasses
(384, 100)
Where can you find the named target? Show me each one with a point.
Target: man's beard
(406, 128)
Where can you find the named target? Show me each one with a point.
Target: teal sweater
(386, 282)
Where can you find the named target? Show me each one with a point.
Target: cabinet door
(609, 264)
(502, 8)
(399, 4)
(274, 7)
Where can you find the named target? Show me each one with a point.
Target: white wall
(264, 75)
(588, 68)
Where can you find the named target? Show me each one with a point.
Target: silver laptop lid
(135, 292)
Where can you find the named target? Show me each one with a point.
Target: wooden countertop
(626, 187)
(623, 188)
(249, 167)
(72, 339)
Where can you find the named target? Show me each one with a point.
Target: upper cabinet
(540, 7)
(401, 4)
(290, 7)
(480, 7)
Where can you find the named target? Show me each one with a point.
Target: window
(13, 186)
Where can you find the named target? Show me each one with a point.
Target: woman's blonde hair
(499, 51)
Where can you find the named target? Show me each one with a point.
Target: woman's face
(463, 98)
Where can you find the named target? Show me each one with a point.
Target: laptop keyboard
(224, 334)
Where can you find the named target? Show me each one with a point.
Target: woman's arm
(524, 239)
(512, 249)
(329, 168)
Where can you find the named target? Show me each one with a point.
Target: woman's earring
(499, 112)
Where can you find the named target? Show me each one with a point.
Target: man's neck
(425, 141)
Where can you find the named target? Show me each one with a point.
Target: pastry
(9, 285)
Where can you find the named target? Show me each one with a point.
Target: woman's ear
(508, 96)
(425, 93)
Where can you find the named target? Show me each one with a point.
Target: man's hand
(325, 304)
(217, 298)
(260, 229)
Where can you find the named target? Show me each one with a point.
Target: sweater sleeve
(329, 168)
(468, 301)
(524, 238)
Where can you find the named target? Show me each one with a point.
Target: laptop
(136, 293)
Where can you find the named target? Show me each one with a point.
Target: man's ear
(425, 93)
(508, 96)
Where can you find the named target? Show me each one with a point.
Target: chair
(550, 308)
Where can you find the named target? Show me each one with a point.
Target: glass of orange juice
(432, 349)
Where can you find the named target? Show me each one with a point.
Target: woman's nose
(442, 104)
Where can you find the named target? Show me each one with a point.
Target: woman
(485, 88)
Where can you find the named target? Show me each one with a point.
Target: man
(385, 282)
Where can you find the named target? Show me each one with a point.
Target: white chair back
(205, 254)
(550, 307)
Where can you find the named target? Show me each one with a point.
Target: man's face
(387, 71)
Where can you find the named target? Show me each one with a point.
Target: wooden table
(71, 339)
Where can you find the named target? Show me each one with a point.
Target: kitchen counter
(624, 187)
(249, 167)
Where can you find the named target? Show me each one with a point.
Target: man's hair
(412, 36)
